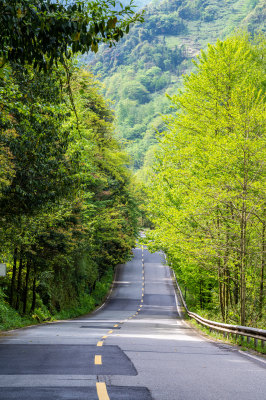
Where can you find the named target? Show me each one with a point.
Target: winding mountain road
(135, 347)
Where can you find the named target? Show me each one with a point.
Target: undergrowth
(88, 302)
(231, 340)
(11, 319)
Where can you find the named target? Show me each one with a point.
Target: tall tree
(211, 168)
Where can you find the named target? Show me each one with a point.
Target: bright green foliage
(207, 195)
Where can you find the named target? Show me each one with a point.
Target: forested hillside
(152, 58)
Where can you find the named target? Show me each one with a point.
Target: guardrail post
(248, 339)
(262, 343)
(255, 343)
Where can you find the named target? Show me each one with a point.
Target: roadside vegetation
(207, 187)
(243, 343)
(68, 203)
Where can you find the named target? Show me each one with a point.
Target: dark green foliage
(68, 212)
(39, 146)
(44, 32)
(9, 318)
(68, 209)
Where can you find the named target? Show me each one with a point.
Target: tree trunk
(263, 250)
(200, 294)
(220, 275)
(221, 298)
(25, 296)
(14, 272)
(242, 269)
(19, 279)
(33, 304)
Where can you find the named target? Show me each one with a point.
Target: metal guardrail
(236, 331)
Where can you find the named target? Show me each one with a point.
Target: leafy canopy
(43, 32)
(207, 190)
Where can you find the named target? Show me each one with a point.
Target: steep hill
(150, 60)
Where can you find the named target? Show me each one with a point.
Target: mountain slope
(151, 59)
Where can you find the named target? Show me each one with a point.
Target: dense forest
(68, 204)
(150, 61)
(207, 188)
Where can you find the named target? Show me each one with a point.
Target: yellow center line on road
(98, 360)
(104, 337)
(110, 332)
(141, 305)
(116, 325)
(102, 391)
(141, 300)
(99, 344)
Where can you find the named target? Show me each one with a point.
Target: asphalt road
(135, 347)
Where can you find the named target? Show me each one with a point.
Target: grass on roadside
(11, 319)
(245, 345)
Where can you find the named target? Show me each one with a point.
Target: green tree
(209, 182)
(45, 32)
(68, 211)
(33, 112)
